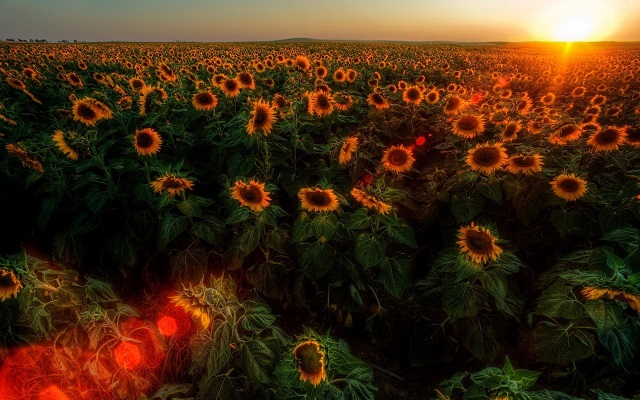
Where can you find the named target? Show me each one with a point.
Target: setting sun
(574, 29)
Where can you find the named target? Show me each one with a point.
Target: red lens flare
(52, 392)
(127, 355)
(167, 325)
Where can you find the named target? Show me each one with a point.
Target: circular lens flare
(167, 326)
(127, 355)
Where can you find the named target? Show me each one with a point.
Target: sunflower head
(378, 101)
(486, 158)
(349, 146)
(147, 141)
(412, 95)
(397, 159)
(251, 195)
(524, 164)
(478, 243)
(453, 105)
(370, 201)
(171, 184)
(10, 285)
(204, 101)
(569, 187)
(263, 117)
(62, 141)
(195, 301)
(86, 111)
(607, 139)
(318, 200)
(322, 103)
(469, 126)
(310, 359)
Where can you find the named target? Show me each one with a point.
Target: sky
(263, 20)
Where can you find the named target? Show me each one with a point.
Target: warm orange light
(167, 326)
(575, 20)
(52, 392)
(127, 355)
(576, 28)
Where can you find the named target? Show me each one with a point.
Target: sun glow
(574, 21)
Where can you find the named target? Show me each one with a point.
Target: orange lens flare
(167, 326)
(127, 355)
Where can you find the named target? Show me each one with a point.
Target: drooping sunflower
(607, 139)
(10, 285)
(204, 101)
(478, 243)
(251, 195)
(566, 133)
(375, 99)
(104, 110)
(469, 126)
(342, 102)
(86, 112)
(510, 131)
(61, 142)
(166, 73)
(594, 293)
(318, 200)
(487, 158)
(524, 105)
(349, 146)
(525, 164)
(412, 95)
(263, 117)
(397, 159)
(453, 105)
(569, 187)
(194, 301)
(24, 157)
(322, 103)
(171, 184)
(370, 201)
(311, 364)
(147, 141)
(230, 87)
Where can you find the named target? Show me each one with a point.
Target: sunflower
(316, 199)
(510, 131)
(86, 112)
(246, 80)
(432, 97)
(251, 195)
(397, 159)
(598, 100)
(16, 84)
(322, 103)
(375, 99)
(352, 74)
(453, 105)
(24, 157)
(310, 359)
(61, 142)
(478, 243)
(166, 73)
(204, 101)
(151, 97)
(632, 135)
(263, 117)
(230, 87)
(218, 79)
(525, 164)
(339, 76)
(469, 126)
(548, 99)
(370, 201)
(9, 285)
(594, 293)
(172, 184)
(194, 301)
(524, 105)
(74, 79)
(579, 91)
(321, 72)
(349, 146)
(302, 63)
(279, 102)
(569, 187)
(104, 110)
(486, 158)
(607, 139)
(342, 102)
(412, 95)
(566, 133)
(147, 141)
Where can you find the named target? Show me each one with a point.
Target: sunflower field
(319, 221)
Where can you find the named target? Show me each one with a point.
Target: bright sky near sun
(256, 20)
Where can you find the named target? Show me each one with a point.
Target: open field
(320, 220)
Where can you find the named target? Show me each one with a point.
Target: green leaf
(507, 368)
(325, 225)
(463, 299)
(402, 234)
(628, 237)
(475, 392)
(99, 291)
(495, 281)
(220, 353)
(238, 215)
(492, 190)
(257, 316)
(369, 250)
(465, 207)
(170, 228)
(257, 360)
(316, 259)
(189, 264)
(302, 228)
(190, 207)
(270, 279)
(489, 378)
(249, 238)
(562, 343)
(219, 388)
(613, 330)
(559, 301)
(396, 276)
(278, 240)
(564, 220)
(508, 262)
(96, 199)
(526, 378)
(480, 339)
(359, 220)
(210, 229)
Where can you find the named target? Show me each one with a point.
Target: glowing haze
(258, 20)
